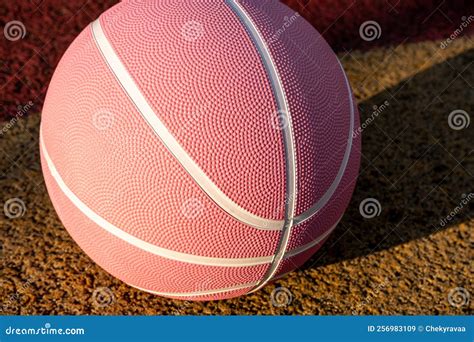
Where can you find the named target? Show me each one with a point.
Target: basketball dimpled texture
(203, 75)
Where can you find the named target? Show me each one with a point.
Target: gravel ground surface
(415, 257)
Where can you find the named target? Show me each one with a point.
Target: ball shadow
(417, 162)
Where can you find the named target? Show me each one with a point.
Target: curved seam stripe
(342, 169)
(288, 139)
(129, 86)
(153, 249)
(196, 293)
(169, 254)
(132, 91)
(204, 292)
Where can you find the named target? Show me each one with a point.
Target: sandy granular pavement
(409, 259)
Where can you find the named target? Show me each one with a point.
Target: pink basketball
(198, 150)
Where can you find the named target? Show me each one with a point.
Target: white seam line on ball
(203, 292)
(288, 139)
(225, 203)
(148, 247)
(169, 254)
(131, 89)
(342, 169)
(196, 293)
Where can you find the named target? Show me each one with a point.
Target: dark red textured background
(26, 66)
